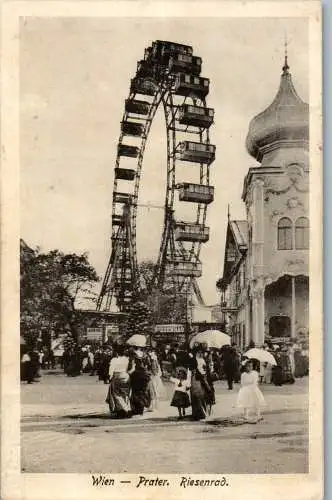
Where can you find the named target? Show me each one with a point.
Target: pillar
(254, 333)
(258, 227)
(257, 261)
(261, 317)
(293, 320)
(247, 322)
(258, 333)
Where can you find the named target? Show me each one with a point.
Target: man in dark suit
(230, 360)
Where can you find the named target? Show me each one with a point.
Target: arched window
(302, 233)
(285, 237)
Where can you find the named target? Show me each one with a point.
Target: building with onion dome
(265, 282)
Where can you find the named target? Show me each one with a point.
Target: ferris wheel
(167, 77)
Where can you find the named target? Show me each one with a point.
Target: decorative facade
(265, 283)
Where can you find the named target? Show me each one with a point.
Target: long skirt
(156, 387)
(140, 391)
(118, 394)
(201, 395)
(299, 364)
(286, 368)
(140, 399)
(277, 375)
(27, 372)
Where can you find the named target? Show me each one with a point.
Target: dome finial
(285, 67)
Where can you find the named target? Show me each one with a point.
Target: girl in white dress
(250, 398)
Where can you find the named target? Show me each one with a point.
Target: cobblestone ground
(66, 428)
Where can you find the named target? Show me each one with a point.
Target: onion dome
(284, 124)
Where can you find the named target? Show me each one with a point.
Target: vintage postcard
(161, 250)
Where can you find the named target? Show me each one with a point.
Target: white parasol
(137, 340)
(212, 338)
(261, 355)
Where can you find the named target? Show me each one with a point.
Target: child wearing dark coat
(180, 399)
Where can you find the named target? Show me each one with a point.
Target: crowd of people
(136, 375)
(136, 382)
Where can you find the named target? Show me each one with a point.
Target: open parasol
(137, 340)
(212, 338)
(261, 355)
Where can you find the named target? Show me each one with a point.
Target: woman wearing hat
(139, 380)
(201, 390)
(119, 388)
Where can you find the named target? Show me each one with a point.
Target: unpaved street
(66, 428)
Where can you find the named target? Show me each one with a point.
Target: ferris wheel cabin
(184, 63)
(126, 150)
(189, 231)
(117, 220)
(137, 107)
(142, 86)
(125, 174)
(196, 193)
(197, 116)
(145, 70)
(132, 128)
(161, 51)
(119, 197)
(198, 152)
(186, 85)
(187, 269)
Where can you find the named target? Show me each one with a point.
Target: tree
(167, 305)
(50, 285)
(139, 319)
(146, 270)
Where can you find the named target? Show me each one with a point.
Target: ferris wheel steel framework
(161, 83)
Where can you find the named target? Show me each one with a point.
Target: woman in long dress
(286, 367)
(201, 390)
(140, 390)
(26, 368)
(250, 398)
(156, 385)
(106, 356)
(119, 388)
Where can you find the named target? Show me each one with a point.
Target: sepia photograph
(166, 247)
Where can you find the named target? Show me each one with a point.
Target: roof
(25, 249)
(240, 232)
(286, 120)
(235, 248)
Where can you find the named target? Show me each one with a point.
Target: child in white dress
(250, 398)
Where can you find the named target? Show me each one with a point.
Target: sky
(74, 78)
